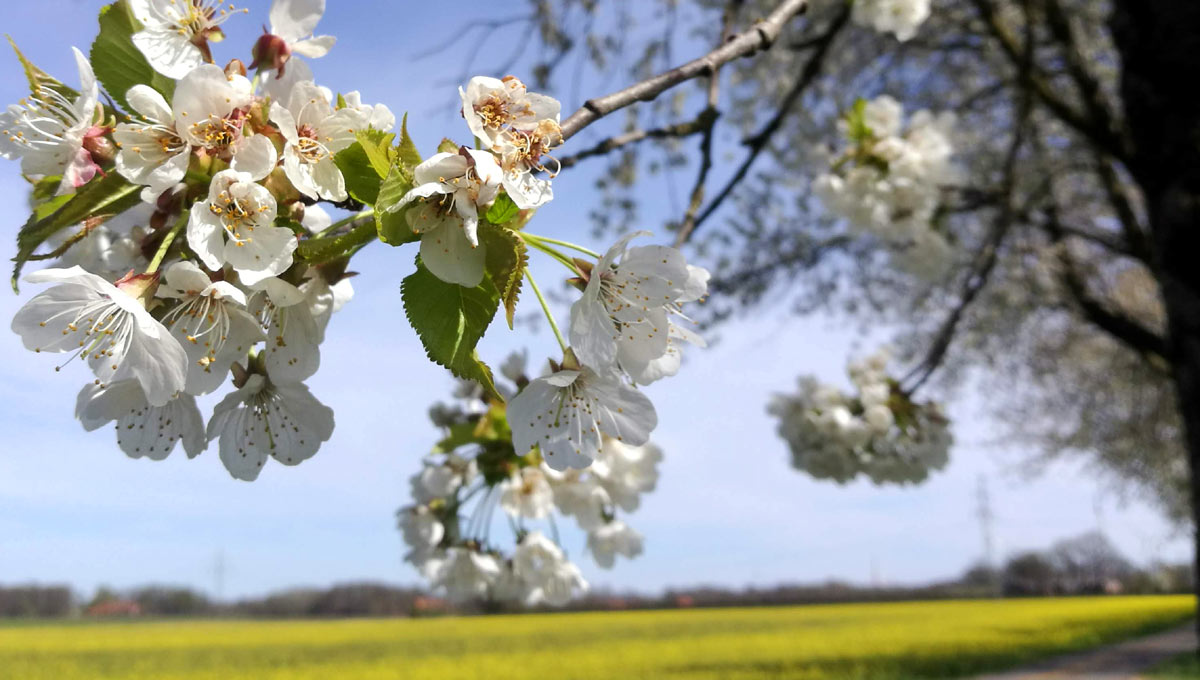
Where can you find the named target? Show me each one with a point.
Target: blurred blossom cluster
(889, 178)
(902, 18)
(474, 470)
(876, 432)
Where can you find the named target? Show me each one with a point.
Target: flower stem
(166, 243)
(343, 222)
(566, 244)
(558, 257)
(546, 309)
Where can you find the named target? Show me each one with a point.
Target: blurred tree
(1072, 231)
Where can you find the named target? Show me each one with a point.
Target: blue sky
(729, 509)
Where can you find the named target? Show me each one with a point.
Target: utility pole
(983, 511)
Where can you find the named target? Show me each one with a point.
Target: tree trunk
(1159, 43)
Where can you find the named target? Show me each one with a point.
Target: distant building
(114, 609)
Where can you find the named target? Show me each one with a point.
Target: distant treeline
(1085, 565)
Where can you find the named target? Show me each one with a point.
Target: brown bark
(1159, 42)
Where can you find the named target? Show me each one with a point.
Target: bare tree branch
(760, 37)
(680, 130)
(759, 141)
(709, 115)
(1036, 81)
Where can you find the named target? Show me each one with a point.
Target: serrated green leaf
(505, 264)
(406, 150)
(320, 250)
(117, 62)
(503, 210)
(362, 181)
(450, 320)
(377, 145)
(448, 146)
(107, 195)
(341, 101)
(392, 227)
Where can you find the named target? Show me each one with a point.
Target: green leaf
(341, 102)
(503, 210)
(450, 320)
(362, 181)
(448, 146)
(506, 260)
(40, 80)
(392, 227)
(118, 63)
(461, 434)
(107, 195)
(320, 250)
(377, 145)
(406, 150)
(857, 129)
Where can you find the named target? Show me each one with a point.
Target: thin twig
(758, 142)
(760, 37)
(686, 129)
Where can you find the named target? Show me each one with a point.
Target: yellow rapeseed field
(900, 640)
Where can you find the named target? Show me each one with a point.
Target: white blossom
(527, 494)
(314, 132)
(449, 189)
(96, 320)
(262, 418)
(376, 117)
(293, 332)
(210, 321)
(152, 151)
(549, 577)
(899, 17)
(623, 315)
(564, 413)
(236, 224)
(422, 532)
(466, 573)
(47, 131)
(142, 430)
(612, 539)
(491, 106)
(626, 472)
(209, 109)
(175, 33)
(294, 21)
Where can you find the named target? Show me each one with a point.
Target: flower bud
(96, 143)
(235, 67)
(270, 52)
(141, 287)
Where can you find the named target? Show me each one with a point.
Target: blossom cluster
(876, 432)
(889, 179)
(902, 18)
(474, 470)
(232, 300)
(184, 208)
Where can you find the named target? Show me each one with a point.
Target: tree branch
(1035, 80)
(679, 130)
(759, 141)
(709, 116)
(760, 37)
(1133, 334)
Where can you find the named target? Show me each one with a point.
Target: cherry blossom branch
(756, 39)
